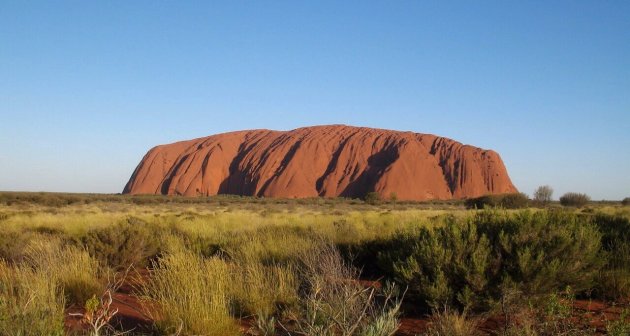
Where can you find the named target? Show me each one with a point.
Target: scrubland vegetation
(574, 199)
(230, 265)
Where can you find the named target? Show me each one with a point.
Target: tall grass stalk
(189, 293)
(31, 303)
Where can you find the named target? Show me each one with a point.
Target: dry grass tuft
(190, 294)
(449, 322)
(31, 303)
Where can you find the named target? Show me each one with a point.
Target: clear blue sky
(87, 87)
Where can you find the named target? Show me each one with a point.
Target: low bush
(372, 198)
(442, 266)
(505, 201)
(614, 278)
(131, 242)
(546, 251)
(625, 201)
(574, 199)
(465, 262)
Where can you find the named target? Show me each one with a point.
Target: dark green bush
(614, 279)
(546, 251)
(505, 201)
(12, 244)
(466, 262)
(448, 265)
(625, 201)
(372, 197)
(515, 201)
(574, 199)
(132, 242)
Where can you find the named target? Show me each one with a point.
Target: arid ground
(152, 265)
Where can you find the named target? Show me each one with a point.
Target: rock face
(326, 161)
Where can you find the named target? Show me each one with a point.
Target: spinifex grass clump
(35, 289)
(80, 275)
(315, 293)
(264, 277)
(189, 293)
(451, 322)
(31, 303)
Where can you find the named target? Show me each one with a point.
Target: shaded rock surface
(326, 161)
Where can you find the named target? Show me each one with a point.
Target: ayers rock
(326, 161)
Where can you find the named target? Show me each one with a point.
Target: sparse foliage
(548, 314)
(543, 194)
(335, 303)
(98, 311)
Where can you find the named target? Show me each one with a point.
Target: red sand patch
(131, 316)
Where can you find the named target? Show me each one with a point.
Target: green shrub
(574, 199)
(614, 278)
(625, 201)
(545, 251)
(447, 265)
(372, 198)
(505, 201)
(465, 262)
(515, 201)
(132, 242)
